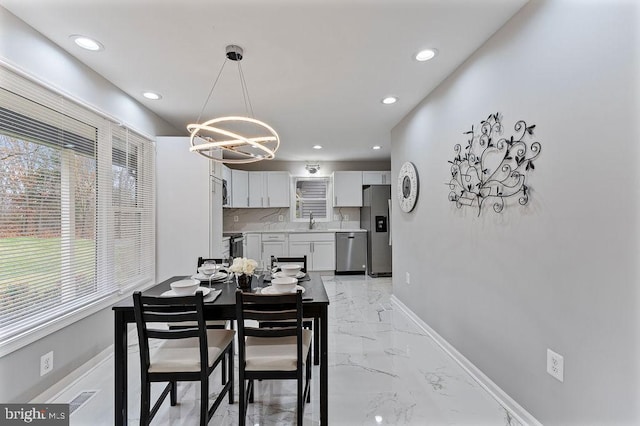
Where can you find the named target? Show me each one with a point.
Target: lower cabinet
(273, 248)
(263, 246)
(320, 249)
(252, 248)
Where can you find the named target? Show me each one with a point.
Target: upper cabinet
(347, 189)
(269, 189)
(239, 188)
(376, 178)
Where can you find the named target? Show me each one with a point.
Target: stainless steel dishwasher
(351, 252)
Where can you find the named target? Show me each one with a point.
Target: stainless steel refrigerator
(375, 217)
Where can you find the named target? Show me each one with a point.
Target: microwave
(225, 193)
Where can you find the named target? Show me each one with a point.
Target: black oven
(236, 242)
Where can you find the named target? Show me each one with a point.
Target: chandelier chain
(211, 91)
(245, 92)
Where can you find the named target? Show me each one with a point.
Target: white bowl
(284, 284)
(208, 269)
(290, 269)
(185, 287)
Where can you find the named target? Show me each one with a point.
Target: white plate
(218, 276)
(172, 293)
(281, 274)
(272, 290)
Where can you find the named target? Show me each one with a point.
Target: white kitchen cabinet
(301, 248)
(320, 249)
(324, 255)
(347, 189)
(239, 188)
(256, 189)
(252, 246)
(376, 178)
(261, 246)
(278, 187)
(273, 245)
(268, 189)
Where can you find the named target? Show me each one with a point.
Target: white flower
(242, 265)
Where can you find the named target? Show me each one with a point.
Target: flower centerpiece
(243, 270)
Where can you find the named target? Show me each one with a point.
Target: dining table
(315, 305)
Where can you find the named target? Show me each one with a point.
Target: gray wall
(560, 272)
(297, 168)
(74, 345)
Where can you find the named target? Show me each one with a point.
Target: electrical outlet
(336, 217)
(408, 278)
(346, 217)
(235, 218)
(46, 363)
(280, 218)
(555, 365)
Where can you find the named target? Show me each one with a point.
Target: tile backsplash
(268, 220)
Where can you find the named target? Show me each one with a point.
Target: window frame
(328, 198)
(32, 90)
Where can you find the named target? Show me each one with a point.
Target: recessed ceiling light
(376, 147)
(317, 147)
(152, 95)
(390, 100)
(426, 54)
(87, 43)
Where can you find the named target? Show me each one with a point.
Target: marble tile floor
(383, 370)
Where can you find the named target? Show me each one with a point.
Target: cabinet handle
(268, 202)
(262, 248)
(335, 200)
(261, 201)
(247, 201)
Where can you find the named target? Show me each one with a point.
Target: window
(76, 208)
(311, 198)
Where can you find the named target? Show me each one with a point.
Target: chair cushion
(184, 354)
(275, 353)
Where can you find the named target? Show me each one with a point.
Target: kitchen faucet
(311, 221)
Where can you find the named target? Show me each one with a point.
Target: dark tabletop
(314, 293)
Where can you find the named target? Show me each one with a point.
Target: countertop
(302, 231)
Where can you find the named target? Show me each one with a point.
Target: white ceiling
(316, 69)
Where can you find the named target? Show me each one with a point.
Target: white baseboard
(515, 409)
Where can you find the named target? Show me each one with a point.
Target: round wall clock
(408, 186)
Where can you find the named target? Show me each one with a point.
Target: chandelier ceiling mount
(233, 139)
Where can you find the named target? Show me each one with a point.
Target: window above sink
(311, 198)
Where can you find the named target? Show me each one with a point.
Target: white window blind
(133, 171)
(76, 207)
(311, 198)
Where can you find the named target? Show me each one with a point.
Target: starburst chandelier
(234, 139)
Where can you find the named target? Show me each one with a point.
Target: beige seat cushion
(275, 353)
(184, 354)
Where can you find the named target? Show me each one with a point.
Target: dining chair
(306, 322)
(272, 353)
(210, 323)
(298, 260)
(184, 354)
